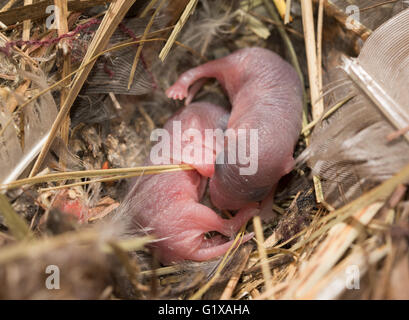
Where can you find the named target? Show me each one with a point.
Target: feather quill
(382, 69)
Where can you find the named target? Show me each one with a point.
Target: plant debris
(82, 89)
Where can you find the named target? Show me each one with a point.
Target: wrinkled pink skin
(265, 93)
(167, 205)
(200, 116)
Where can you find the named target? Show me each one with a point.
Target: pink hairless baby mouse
(265, 94)
(167, 205)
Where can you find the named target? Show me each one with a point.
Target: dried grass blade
(178, 27)
(18, 227)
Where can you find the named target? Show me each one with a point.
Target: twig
(112, 18)
(288, 43)
(320, 22)
(140, 47)
(379, 193)
(310, 45)
(295, 63)
(269, 293)
(129, 265)
(287, 17)
(146, 116)
(62, 26)
(117, 47)
(378, 5)
(27, 23)
(281, 7)
(329, 251)
(314, 78)
(278, 24)
(19, 51)
(176, 30)
(46, 244)
(236, 243)
(330, 111)
(262, 252)
(231, 285)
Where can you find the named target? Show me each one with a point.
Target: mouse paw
(177, 92)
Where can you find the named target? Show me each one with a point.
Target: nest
(79, 97)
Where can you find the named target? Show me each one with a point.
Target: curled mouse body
(265, 93)
(167, 205)
(197, 132)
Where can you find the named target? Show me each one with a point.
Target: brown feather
(350, 151)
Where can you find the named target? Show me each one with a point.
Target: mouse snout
(231, 190)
